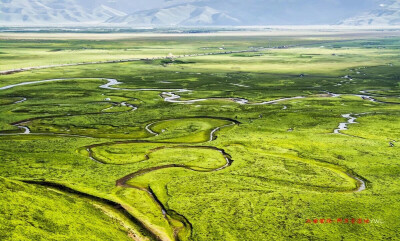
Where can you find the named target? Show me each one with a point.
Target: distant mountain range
(141, 13)
(53, 12)
(183, 15)
(387, 14)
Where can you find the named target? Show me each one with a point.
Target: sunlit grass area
(16, 53)
(239, 146)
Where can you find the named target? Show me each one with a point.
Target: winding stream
(169, 95)
(22, 124)
(364, 96)
(361, 183)
(123, 182)
(343, 126)
(21, 101)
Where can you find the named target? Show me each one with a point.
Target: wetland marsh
(184, 141)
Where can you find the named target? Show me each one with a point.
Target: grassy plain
(288, 165)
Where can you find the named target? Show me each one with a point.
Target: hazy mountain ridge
(107, 12)
(387, 14)
(184, 14)
(52, 12)
(199, 12)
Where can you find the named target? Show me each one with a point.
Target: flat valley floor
(209, 137)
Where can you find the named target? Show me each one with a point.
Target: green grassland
(30, 212)
(94, 168)
(27, 53)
